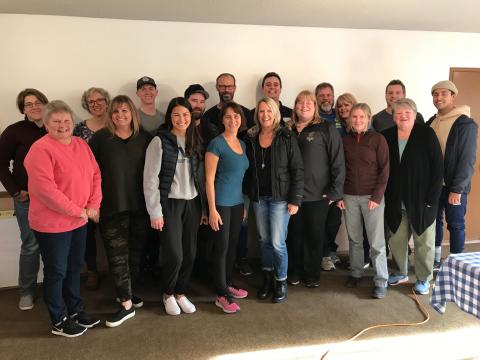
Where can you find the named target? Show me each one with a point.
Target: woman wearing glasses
(95, 101)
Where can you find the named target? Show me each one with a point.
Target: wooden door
(467, 81)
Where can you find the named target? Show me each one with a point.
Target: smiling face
(265, 116)
(393, 93)
(181, 119)
(404, 118)
(33, 108)
(272, 88)
(305, 109)
(231, 120)
(147, 94)
(344, 108)
(60, 126)
(359, 121)
(443, 100)
(97, 104)
(122, 116)
(325, 99)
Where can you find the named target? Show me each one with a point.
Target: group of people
(139, 175)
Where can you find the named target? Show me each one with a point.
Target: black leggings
(225, 246)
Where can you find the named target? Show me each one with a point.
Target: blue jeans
(29, 253)
(63, 255)
(272, 225)
(455, 217)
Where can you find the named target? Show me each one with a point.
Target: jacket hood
(456, 112)
(255, 130)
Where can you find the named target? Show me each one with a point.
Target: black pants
(179, 235)
(334, 220)
(91, 246)
(124, 236)
(306, 239)
(225, 246)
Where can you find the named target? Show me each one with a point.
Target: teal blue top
(230, 170)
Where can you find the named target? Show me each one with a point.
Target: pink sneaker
(227, 305)
(237, 293)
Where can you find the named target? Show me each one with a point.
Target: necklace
(263, 157)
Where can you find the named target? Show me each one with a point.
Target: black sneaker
(244, 266)
(68, 328)
(120, 317)
(137, 302)
(293, 279)
(436, 266)
(85, 320)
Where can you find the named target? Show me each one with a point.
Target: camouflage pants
(124, 235)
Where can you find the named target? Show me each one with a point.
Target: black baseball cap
(196, 88)
(145, 80)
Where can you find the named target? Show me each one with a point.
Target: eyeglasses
(97, 101)
(226, 87)
(31, 105)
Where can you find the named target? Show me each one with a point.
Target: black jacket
(460, 153)
(416, 179)
(169, 165)
(287, 167)
(323, 161)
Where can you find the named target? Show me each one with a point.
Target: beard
(226, 97)
(326, 107)
(197, 113)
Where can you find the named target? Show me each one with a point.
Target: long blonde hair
(310, 96)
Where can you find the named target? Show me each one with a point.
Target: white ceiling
(428, 15)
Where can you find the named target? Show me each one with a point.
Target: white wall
(63, 56)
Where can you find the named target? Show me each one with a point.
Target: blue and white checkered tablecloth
(458, 281)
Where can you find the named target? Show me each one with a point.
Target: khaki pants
(424, 249)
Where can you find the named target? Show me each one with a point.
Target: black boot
(280, 292)
(267, 285)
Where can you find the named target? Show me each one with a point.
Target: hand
(454, 198)
(22, 196)
(292, 209)
(341, 204)
(157, 224)
(204, 220)
(93, 214)
(215, 220)
(84, 215)
(245, 215)
(372, 205)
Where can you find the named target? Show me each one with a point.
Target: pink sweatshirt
(62, 181)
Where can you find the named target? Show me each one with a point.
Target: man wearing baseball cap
(150, 117)
(196, 95)
(457, 134)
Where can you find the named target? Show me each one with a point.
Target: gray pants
(424, 245)
(357, 213)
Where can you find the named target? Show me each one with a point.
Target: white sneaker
(185, 304)
(327, 264)
(171, 306)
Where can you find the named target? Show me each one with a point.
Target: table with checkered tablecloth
(458, 281)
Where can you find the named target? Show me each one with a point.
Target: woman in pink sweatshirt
(64, 186)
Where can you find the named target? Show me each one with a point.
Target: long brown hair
(193, 142)
(117, 101)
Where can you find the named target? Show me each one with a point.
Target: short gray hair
(405, 102)
(53, 107)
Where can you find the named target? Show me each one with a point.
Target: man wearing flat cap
(457, 134)
(150, 117)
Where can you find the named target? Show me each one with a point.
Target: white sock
(438, 253)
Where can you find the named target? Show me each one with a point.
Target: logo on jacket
(311, 136)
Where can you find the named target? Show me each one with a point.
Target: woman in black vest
(172, 180)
